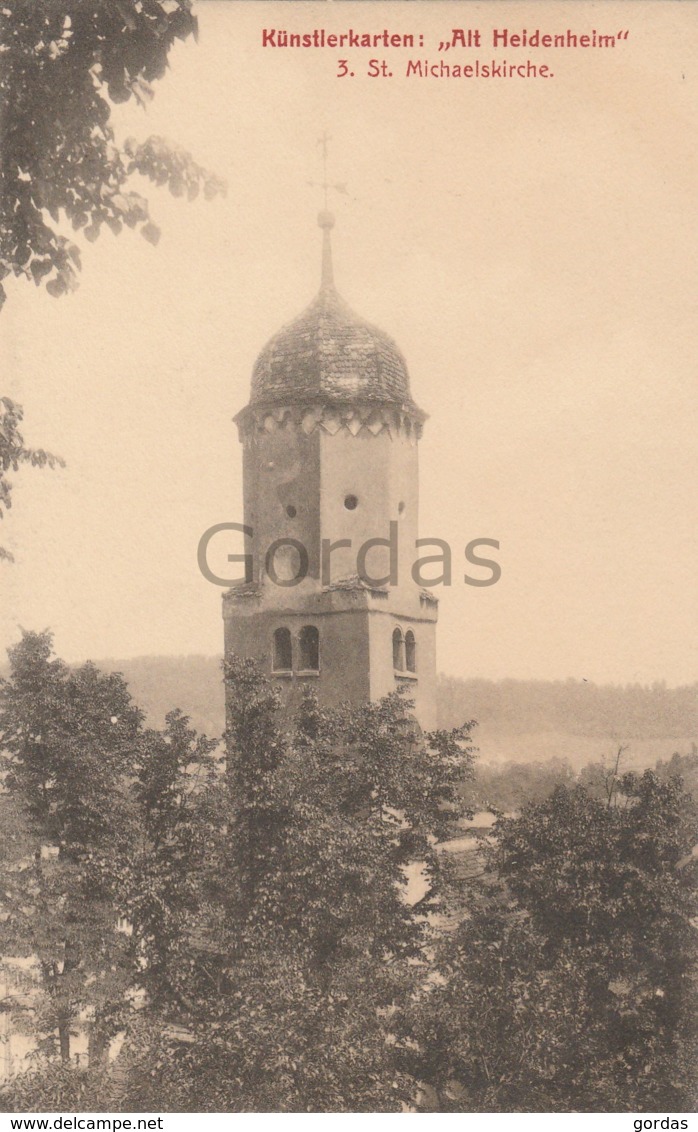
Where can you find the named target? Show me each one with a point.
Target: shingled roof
(330, 352)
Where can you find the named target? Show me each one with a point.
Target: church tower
(330, 483)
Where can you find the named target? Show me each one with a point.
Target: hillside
(518, 720)
(525, 720)
(160, 683)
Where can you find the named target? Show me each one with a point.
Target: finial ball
(325, 219)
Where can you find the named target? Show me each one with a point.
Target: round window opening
(291, 511)
(351, 502)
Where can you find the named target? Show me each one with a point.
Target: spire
(326, 221)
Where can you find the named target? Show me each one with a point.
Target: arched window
(410, 651)
(309, 641)
(398, 651)
(283, 655)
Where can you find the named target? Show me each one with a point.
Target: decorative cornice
(332, 417)
(354, 583)
(242, 591)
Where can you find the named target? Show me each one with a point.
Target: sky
(531, 246)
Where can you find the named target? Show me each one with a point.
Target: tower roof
(329, 352)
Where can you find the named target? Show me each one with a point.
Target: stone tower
(331, 497)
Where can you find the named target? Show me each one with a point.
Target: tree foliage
(274, 959)
(301, 948)
(60, 1086)
(506, 787)
(277, 1041)
(326, 822)
(176, 791)
(14, 452)
(64, 64)
(680, 766)
(70, 739)
(571, 986)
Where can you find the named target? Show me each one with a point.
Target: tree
(105, 832)
(63, 66)
(326, 821)
(14, 452)
(300, 950)
(58, 1086)
(681, 766)
(176, 790)
(571, 986)
(70, 738)
(508, 786)
(275, 1041)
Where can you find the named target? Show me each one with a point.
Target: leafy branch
(63, 66)
(14, 452)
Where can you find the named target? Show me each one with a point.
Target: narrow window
(283, 656)
(310, 649)
(410, 651)
(398, 651)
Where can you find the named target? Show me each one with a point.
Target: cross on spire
(325, 184)
(322, 142)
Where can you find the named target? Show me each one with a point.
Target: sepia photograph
(348, 554)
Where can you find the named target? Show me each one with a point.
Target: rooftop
(330, 352)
